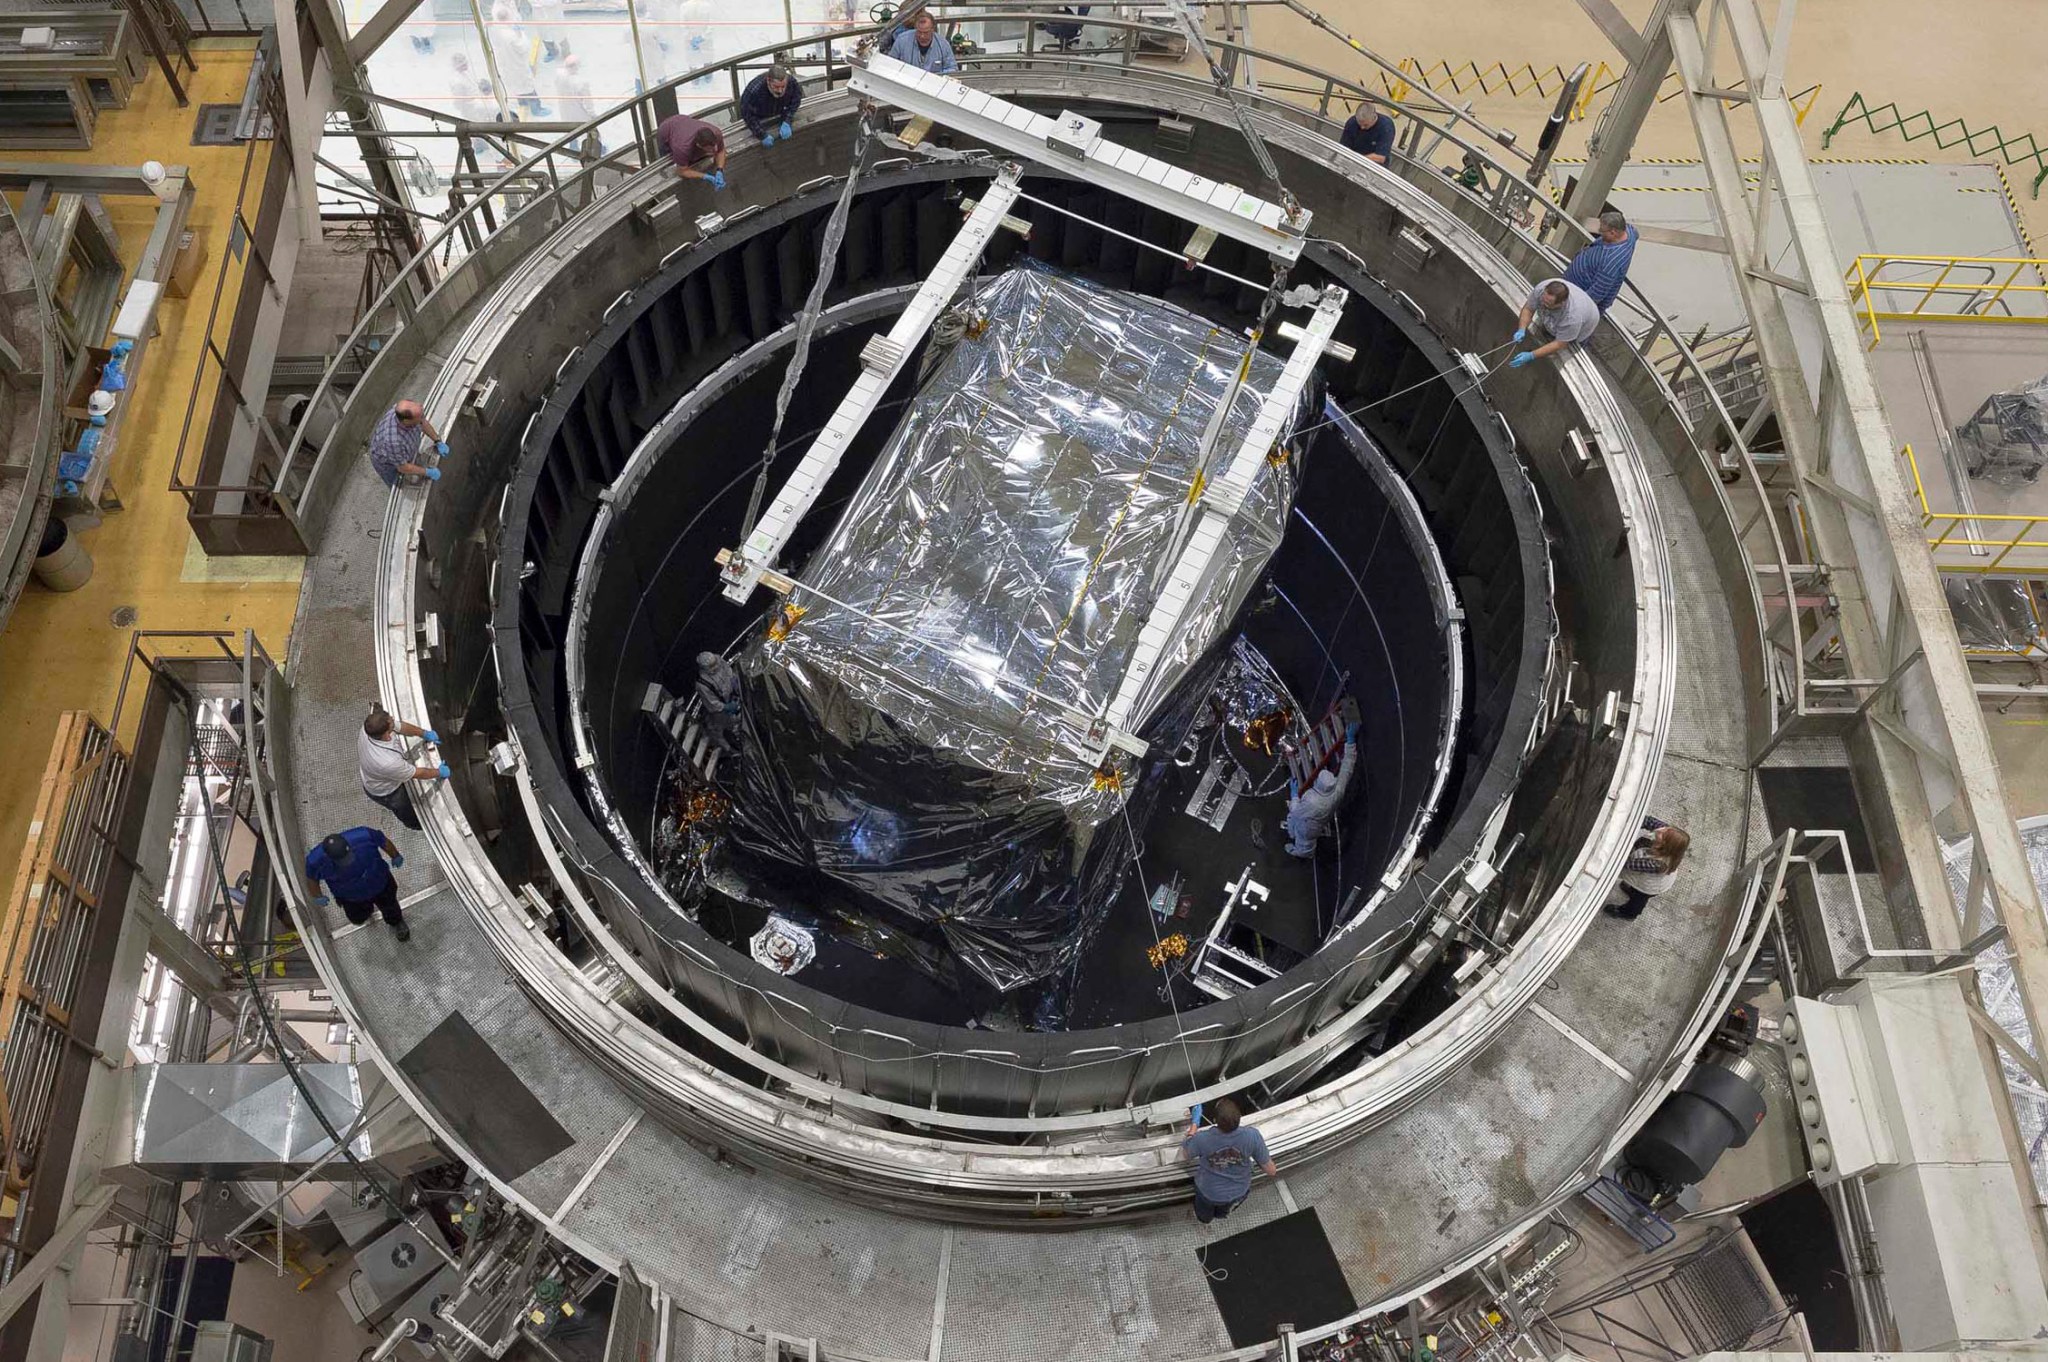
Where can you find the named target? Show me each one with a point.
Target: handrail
(1948, 538)
(800, 54)
(1865, 281)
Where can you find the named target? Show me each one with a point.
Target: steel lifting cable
(1238, 111)
(1180, 1032)
(814, 306)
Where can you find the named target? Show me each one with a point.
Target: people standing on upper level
(1602, 267)
(1369, 132)
(696, 148)
(923, 46)
(1557, 314)
(769, 103)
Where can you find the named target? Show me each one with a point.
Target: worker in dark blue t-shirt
(351, 866)
(1369, 132)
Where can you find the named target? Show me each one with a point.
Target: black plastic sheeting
(915, 727)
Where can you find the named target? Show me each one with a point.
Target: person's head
(460, 61)
(1613, 226)
(571, 64)
(1226, 1113)
(1554, 293)
(926, 26)
(1669, 845)
(1368, 113)
(778, 81)
(706, 661)
(380, 722)
(337, 848)
(1326, 782)
(503, 13)
(705, 143)
(410, 413)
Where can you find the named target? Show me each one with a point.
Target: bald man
(395, 443)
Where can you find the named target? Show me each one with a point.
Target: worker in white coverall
(1310, 811)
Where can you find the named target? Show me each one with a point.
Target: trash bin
(62, 564)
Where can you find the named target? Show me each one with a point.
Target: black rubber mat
(491, 1110)
(1813, 797)
(1283, 1272)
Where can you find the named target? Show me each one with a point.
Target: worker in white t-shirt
(387, 765)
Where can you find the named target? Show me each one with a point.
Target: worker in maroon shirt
(692, 144)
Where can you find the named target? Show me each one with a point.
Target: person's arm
(1348, 764)
(1522, 322)
(1270, 1168)
(317, 892)
(718, 161)
(1384, 135)
(795, 99)
(420, 471)
(428, 427)
(1548, 348)
(755, 116)
(947, 63)
(389, 850)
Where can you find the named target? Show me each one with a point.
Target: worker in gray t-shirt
(1558, 313)
(1225, 1155)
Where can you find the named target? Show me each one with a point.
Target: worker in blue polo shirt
(1602, 268)
(351, 865)
(1369, 132)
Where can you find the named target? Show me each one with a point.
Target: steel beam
(380, 26)
(881, 362)
(1216, 506)
(1615, 25)
(1858, 413)
(1615, 135)
(51, 1257)
(1078, 148)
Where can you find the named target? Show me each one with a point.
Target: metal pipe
(405, 1329)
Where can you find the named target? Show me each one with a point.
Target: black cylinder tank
(1712, 1112)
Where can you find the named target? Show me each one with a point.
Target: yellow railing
(1948, 288)
(1500, 80)
(1497, 78)
(1972, 542)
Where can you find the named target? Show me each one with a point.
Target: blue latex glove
(441, 446)
(1351, 733)
(445, 772)
(1521, 361)
(717, 179)
(785, 129)
(1195, 1114)
(397, 859)
(431, 736)
(319, 900)
(431, 474)
(1521, 335)
(767, 139)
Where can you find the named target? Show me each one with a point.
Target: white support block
(881, 361)
(1074, 144)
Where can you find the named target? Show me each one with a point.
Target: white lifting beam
(1075, 144)
(881, 360)
(1217, 505)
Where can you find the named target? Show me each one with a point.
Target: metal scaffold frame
(1908, 693)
